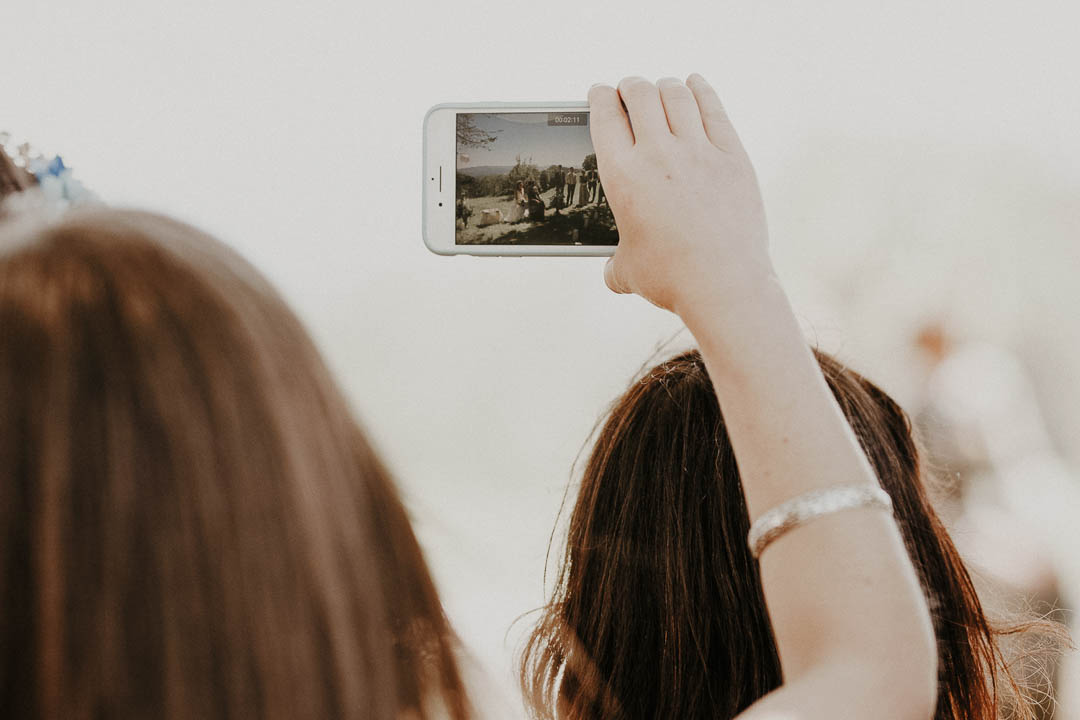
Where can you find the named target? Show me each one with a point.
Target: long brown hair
(192, 525)
(658, 610)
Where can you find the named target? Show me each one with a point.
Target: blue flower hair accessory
(58, 183)
(52, 185)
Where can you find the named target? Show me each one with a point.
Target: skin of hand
(692, 229)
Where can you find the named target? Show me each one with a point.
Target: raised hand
(692, 228)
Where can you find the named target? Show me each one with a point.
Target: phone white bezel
(440, 166)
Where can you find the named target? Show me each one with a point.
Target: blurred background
(920, 163)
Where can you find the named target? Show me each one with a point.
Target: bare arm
(850, 620)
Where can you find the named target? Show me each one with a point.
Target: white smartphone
(513, 179)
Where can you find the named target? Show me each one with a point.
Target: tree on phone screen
(471, 135)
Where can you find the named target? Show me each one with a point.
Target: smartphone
(513, 179)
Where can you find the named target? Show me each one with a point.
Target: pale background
(918, 159)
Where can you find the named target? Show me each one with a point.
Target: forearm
(841, 590)
(789, 434)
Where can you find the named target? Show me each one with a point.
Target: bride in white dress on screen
(517, 212)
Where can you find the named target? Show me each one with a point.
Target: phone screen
(529, 178)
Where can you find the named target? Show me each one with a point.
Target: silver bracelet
(812, 505)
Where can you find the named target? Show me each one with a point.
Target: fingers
(691, 110)
(713, 117)
(612, 280)
(683, 115)
(608, 123)
(642, 100)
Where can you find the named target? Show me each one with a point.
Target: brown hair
(658, 610)
(191, 522)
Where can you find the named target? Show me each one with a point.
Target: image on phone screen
(529, 178)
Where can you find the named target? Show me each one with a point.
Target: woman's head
(659, 610)
(191, 523)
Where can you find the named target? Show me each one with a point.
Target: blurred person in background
(1008, 495)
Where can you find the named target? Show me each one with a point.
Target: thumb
(612, 280)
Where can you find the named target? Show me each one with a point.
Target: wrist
(745, 329)
(731, 297)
